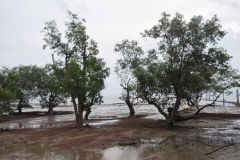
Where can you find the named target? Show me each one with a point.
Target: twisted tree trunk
(78, 114)
(50, 109)
(50, 106)
(130, 106)
(88, 111)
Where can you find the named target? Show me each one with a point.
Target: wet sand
(190, 139)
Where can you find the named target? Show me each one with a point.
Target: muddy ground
(126, 139)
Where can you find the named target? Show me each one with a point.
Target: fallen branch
(219, 148)
(2, 129)
(238, 128)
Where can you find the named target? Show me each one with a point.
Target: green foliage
(125, 66)
(78, 67)
(6, 97)
(49, 88)
(26, 77)
(7, 90)
(186, 64)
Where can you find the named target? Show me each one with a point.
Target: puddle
(38, 124)
(146, 151)
(99, 112)
(192, 146)
(25, 125)
(152, 140)
(222, 135)
(180, 147)
(103, 122)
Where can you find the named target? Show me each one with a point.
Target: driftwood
(128, 143)
(2, 129)
(219, 148)
(237, 128)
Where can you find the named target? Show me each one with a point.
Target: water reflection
(103, 122)
(34, 124)
(42, 151)
(181, 147)
(120, 153)
(104, 112)
(177, 147)
(22, 125)
(109, 112)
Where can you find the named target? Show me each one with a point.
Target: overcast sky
(107, 22)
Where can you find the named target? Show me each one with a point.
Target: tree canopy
(78, 66)
(7, 90)
(50, 89)
(26, 78)
(131, 55)
(186, 64)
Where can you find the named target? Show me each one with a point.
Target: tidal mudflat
(110, 134)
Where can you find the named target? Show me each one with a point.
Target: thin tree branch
(219, 149)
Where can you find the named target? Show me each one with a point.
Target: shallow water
(192, 146)
(104, 112)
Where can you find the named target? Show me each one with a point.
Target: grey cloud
(234, 5)
(231, 44)
(107, 22)
(230, 3)
(63, 5)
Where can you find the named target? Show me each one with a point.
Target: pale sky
(107, 22)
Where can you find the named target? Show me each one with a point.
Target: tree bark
(170, 119)
(19, 106)
(199, 110)
(77, 116)
(88, 111)
(80, 114)
(176, 107)
(19, 109)
(130, 106)
(50, 109)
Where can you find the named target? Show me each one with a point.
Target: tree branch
(212, 104)
(219, 148)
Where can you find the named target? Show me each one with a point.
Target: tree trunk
(88, 111)
(78, 116)
(170, 120)
(75, 112)
(19, 106)
(50, 109)
(80, 120)
(50, 106)
(169, 123)
(19, 109)
(130, 106)
(176, 107)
